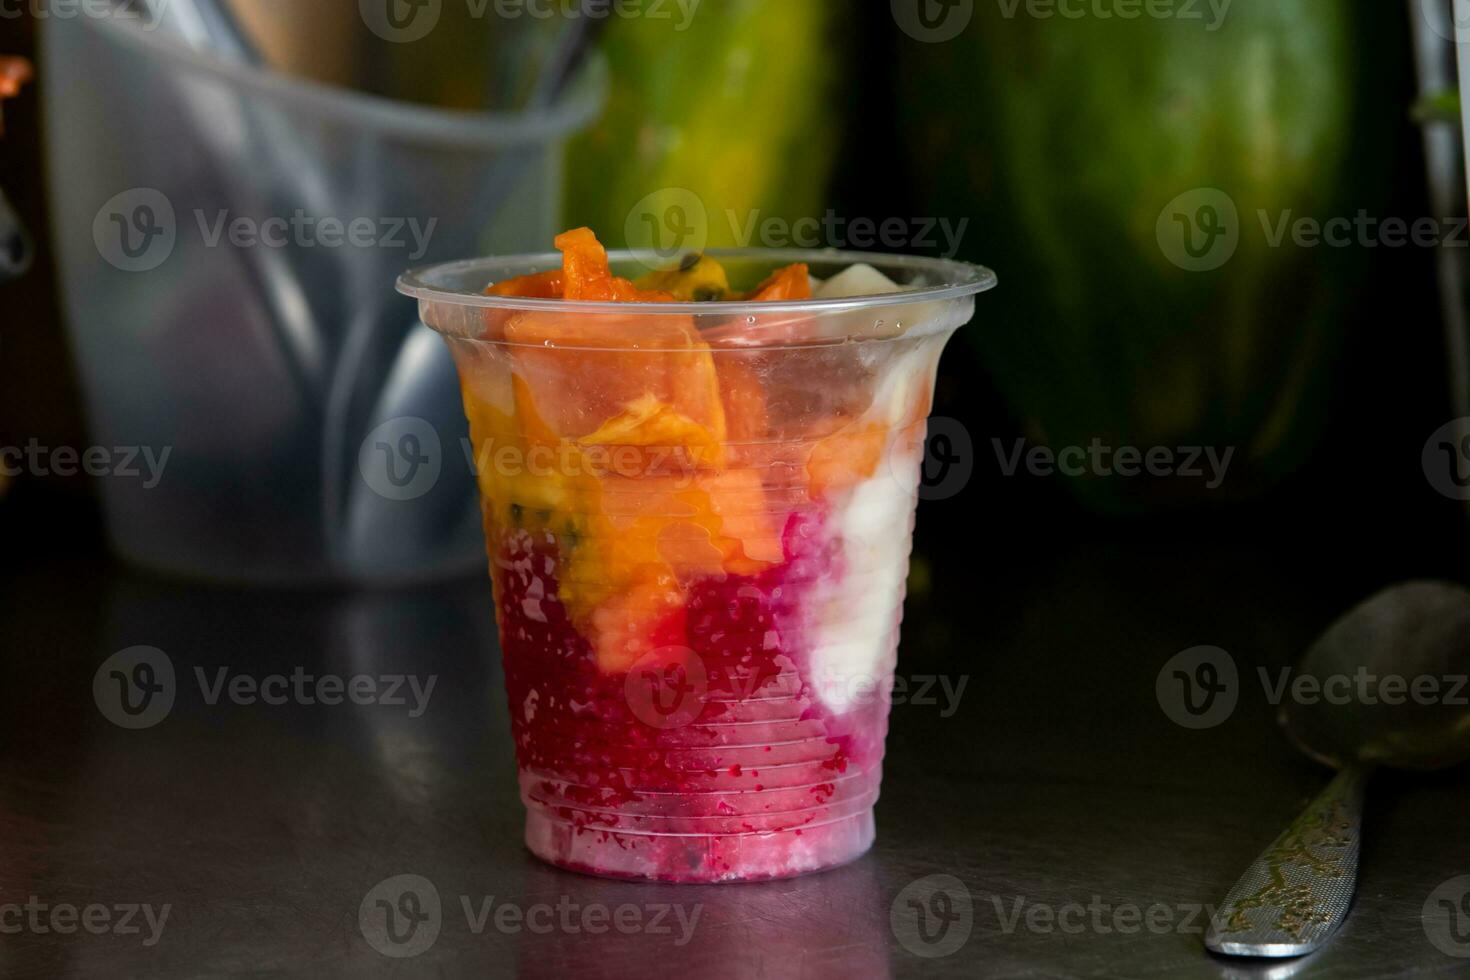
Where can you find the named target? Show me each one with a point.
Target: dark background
(1360, 497)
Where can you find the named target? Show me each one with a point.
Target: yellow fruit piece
(699, 279)
(675, 439)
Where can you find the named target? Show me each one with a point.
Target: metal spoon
(1300, 889)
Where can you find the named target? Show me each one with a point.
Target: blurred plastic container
(216, 318)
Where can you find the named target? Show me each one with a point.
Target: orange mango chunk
(541, 285)
(792, 282)
(587, 276)
(739, 501)
(846, 457)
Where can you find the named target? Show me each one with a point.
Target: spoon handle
(1296, 894)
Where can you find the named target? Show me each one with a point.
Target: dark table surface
(1054, 791)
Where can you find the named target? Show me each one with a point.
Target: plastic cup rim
(955, 280)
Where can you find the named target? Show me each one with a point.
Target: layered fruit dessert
(698, 516)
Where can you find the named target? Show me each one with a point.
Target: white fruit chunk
(855, 620)
(857, 280)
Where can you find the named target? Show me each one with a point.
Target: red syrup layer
(716, 759)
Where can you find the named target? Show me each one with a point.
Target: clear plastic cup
(698, 519)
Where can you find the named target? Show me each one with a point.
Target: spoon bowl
(1394, 676)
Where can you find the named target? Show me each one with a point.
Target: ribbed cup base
(699, 858)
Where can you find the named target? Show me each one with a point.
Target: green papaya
(737, 106)
(1129, 177)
